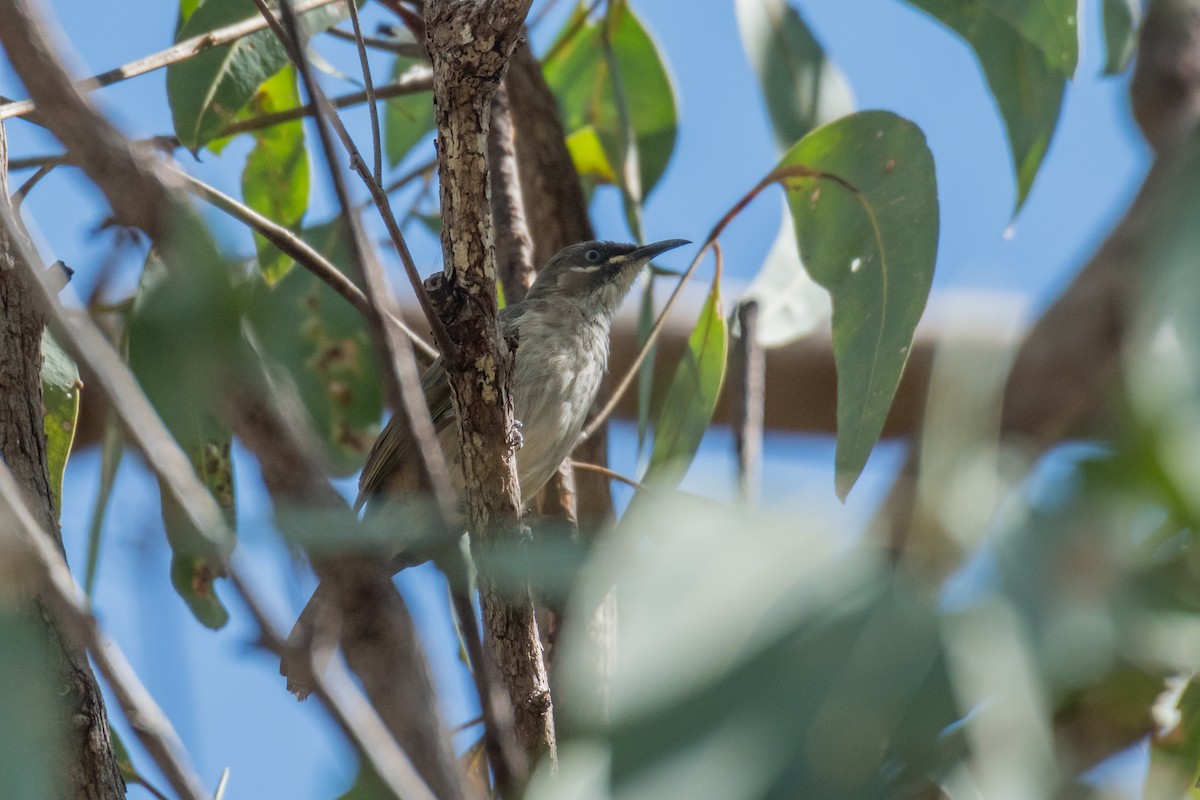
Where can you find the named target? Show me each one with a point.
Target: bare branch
(369, 86)
(182, 51)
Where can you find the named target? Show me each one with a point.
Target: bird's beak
(647, 252)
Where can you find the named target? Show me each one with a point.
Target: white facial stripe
(618, 260)
(587, 269)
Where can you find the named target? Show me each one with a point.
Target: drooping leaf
(1028, 87)
(321, 343)
(646, 371)
(408, 119)
(60, 398)
(1050, 25)
(275, 179)
(591, 162)
(206, 91)
(790, 303)
(863, 197)
(1121, 19)
(802, 88)
(185, 347)
(582, 79)
(692, 397)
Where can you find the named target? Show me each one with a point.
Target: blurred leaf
(321, 343)
(408, 118)
(60, 399)
(692, 397)
(206, 91)
(582, 79)
(186, 9)
(801, 87)
(367, 786)
(1027, 86)
(863, 198)
(1121, 19)
(790, 303)
(185, 347)
(111, 451)
(275, 179)
(591, 162)
(32, 738)
(759, 660)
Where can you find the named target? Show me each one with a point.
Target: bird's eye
(592, 255)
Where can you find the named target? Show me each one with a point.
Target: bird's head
(596, 276)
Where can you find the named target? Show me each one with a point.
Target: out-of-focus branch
(748, 394)
(371, 622)
(64, 597)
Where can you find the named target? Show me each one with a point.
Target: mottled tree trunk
(89, 768)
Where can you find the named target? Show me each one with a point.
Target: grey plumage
(562, 333)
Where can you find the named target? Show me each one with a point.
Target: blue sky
(222, 694)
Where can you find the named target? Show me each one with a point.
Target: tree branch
(469, 44)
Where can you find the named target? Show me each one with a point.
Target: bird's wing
(391, 455)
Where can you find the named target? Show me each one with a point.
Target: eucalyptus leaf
(185, 348)
(692, 396)
(320, 342)
(1026, 83)
(863, 197)
(407, 119)
(275, 180)
(209, 89)
(60, 398)
(1051, 25)
(582, 79)
(1121, 20)
(801, 87)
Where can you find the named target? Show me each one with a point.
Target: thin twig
(369, 86)
(406, 49)
(608, 473)
(181, 51)
(59, 590)
(299, 250)
(414, 81)
(749, 391)
(25, 188)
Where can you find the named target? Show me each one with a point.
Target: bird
(561, 329)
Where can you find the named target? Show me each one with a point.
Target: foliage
(761, 657)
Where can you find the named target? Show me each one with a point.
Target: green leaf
(1028, 88)
(646, 371)
(863, 197)
(60, 398)
(185, 347)
(275, 179)
(591, 162)
(407, 119)
(129, 773)
(1121, 20)
(1175, 758)
(802, 88)
(321, 343)
(208, 90)
(1050, 25)
(692, 397)
(582, 79)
